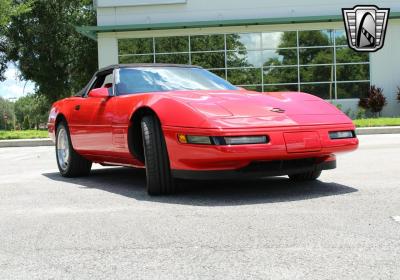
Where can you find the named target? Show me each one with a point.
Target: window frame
(91, 85)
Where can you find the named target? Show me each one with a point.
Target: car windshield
(156, 79)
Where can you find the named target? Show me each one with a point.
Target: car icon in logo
(365, 27)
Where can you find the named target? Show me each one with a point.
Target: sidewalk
(48, 142)
(378, 130)
(26, 143)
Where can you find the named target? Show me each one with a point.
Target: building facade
(256, 44)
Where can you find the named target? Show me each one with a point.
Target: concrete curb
(26, 143)
(378, 130)
(48, 142)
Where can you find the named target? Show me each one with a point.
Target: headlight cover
(243, 140)
(222, 140)
(194, 139)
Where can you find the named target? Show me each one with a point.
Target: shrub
(26, 124)
(339, 106)
(360, 114)
(375, 101)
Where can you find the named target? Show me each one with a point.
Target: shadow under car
(132, 183)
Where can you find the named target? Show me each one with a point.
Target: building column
(385, 67)
(107, 50)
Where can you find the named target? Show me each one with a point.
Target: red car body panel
(298, 125)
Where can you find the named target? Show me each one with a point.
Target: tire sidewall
(65, 127)
(158, 174)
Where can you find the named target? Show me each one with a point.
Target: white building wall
(385, 68)
(110, 12)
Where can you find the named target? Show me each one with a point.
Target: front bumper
(189, 157)
(261, 169)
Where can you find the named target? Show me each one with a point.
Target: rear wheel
(306, 176)
(70, 163)
(158, 172)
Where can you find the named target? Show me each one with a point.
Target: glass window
(174, 58)
(209, 59)
(207, 43)
(317, 73)
(315, 38)
(274, 40)
(316, 55)
(346, 55)
(270, 88)
(253, 88)
(218, 72)
(244, 59)
(279, 57)
(246, 76)
(172, 44)
(155, 79)
(352, 90)
(352, 72)
(340, 38)
(135, 46)
(275, 75)
(136, 59)
(245, 41)
(325, 91)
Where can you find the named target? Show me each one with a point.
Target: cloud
(257, 41)
(13, 87)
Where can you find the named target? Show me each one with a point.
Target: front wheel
(306, 176)
(70, 163)
(158, 171)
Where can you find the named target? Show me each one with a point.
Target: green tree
(6, 114)
(26, 123)
(8, 9)
(48, 49)
(34, 107)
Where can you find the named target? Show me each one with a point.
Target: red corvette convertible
(182, 121)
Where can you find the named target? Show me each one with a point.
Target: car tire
(69, 162)
(306, 176)
(158, 172)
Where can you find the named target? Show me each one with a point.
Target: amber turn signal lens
(182, 138)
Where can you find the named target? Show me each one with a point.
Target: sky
(12, 87)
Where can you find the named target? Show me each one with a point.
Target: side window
(103, 81)
(108, 81)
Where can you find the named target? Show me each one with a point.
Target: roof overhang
(91, 31)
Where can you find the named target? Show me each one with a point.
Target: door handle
(77, 107)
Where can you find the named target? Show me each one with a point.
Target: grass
(23, 134)
(377, 122)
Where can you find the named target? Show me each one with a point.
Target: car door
(91, 119)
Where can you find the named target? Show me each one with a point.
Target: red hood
(254, 104)
(253, 109)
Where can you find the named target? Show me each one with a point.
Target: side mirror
(242, 89)
(99, 93)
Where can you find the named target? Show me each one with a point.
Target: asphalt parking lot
(106, 227)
